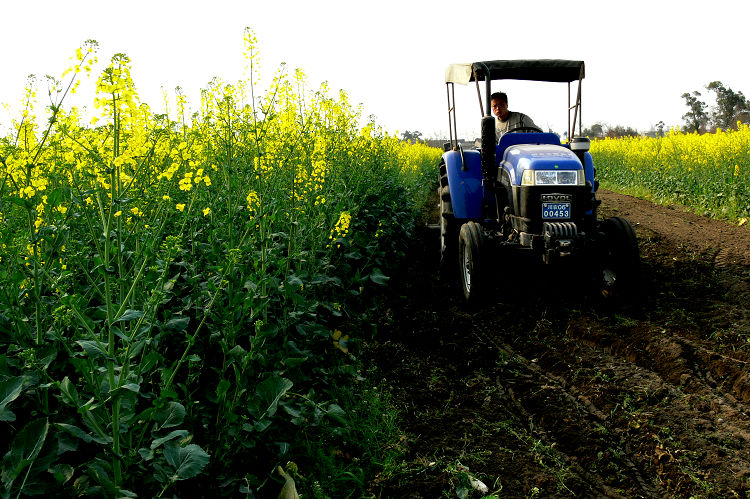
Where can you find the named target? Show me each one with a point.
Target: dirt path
(722, 242)
(545, 397)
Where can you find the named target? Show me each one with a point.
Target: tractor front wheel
(621, 259)
(470, 261)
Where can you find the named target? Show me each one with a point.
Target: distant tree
(660, 129)
(411, 136)
(696, 118)
(621, 131)
(596, 131)
(729, 104)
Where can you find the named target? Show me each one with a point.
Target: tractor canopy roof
(558, 70)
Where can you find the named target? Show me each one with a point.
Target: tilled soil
(547, 391)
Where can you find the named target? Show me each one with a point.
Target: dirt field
(544, 392)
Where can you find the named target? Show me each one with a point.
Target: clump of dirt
(541, 397)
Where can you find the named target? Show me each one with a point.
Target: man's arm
(526, 121)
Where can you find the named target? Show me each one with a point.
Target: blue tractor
(528, 194)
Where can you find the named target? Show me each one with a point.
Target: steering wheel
(525, 128)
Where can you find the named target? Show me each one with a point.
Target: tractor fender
(465, 183)
(588, 169)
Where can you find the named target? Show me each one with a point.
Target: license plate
(555, 210)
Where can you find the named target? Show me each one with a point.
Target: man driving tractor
(507, 120)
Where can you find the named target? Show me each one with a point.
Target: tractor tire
(448, 230)
(621, 261)
(470, 266)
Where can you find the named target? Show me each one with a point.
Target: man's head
(500, 105)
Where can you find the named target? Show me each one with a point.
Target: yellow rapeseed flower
(253, 201)
(180, 206)
(341, 229)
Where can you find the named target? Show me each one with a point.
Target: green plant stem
(229, 163)
(114, 182)
(25, 478)
(37, 291)
(129, 293)
(192, 338)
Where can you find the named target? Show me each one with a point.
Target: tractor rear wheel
(448, 232)
(621, 260)
(470, 267)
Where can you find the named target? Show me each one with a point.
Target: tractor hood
(519, 158)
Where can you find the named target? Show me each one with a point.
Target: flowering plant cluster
(709, 173)
(172, 308)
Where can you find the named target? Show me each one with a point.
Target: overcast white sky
(641, 56)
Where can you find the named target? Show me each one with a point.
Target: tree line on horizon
(729, 108)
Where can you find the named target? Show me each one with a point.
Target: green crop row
(708, 173)
(181, 298)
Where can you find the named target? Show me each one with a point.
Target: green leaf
(171, 436)
(291, 362)
(69, 392)
(170, 415)
(222, 389)
(86, 437)
(23, 451)
(136, 348)
(261, 426)
(294, 280)
(23, 203)
(237, 353)
(132, 387)
(66, 442)
(187, 461)
(99, 471)
(6, 414)
(58, 195)
(9, 391)
(62, 472)
(336, 412)
(146, 454)
(93, 348)
(129, 315)
(378, 277)
(291, 410)
(177, 324)
(268, 393)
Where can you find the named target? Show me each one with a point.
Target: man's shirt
(514, 120)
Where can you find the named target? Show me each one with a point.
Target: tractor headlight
(553, 177)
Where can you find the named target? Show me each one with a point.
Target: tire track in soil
(565, 398)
